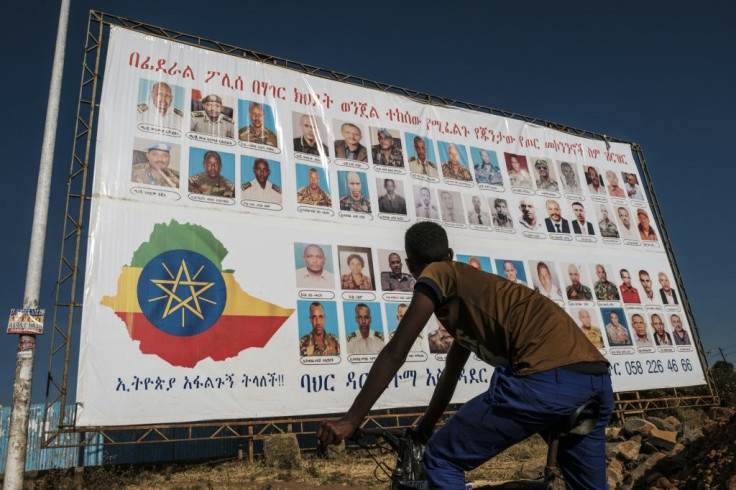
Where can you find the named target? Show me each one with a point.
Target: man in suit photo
(555, 222)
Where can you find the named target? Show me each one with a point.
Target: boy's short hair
(426, 242)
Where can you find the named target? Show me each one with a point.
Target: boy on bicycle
(545, 368)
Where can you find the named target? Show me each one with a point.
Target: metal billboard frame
(69, 285)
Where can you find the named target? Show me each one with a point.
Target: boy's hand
(334, 431)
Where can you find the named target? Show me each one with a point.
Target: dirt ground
(352, 470)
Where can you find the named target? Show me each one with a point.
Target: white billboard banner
(242, 211)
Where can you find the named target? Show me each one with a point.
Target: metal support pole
(16, 460)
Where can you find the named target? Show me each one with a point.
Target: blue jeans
(514, 408)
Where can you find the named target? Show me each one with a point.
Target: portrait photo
(454, 160)
(257, 123)
(391, 196)
(577, 282)
(356, 268)
(350, 141)
(501, 212)
(478, 211)
(353, 189)
(640, 333)
(544, 174)
(606, 223)
(386, 147)
(319, 334)
(569, 178)
(485, 164)
(422, 158)
(680, 330)
(594, 181)
(260, 179)
(364, 332)
(155, 163)
(513, 270)
(394, 314)
(451, 207)
(160, 104)
(616, 327)
(632, 187)
(312, 185)
(310, 134)
(646, 228)
(545, 279)
(212, 114)
(478, 261)
(425, 202)
(314, 266)
(518, 170)
(211, 173)
(588, 320)
(394, 274)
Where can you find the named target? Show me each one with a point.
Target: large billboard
(245, 250)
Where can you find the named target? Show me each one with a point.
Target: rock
(662, 424)
(674, 422)
(629, 450)
(611, 450)
(281, 450)
(531, 471)
(662, 439)
(722, 414)
(641, 470)
(690, 434)
(648, 448)
(637, 425)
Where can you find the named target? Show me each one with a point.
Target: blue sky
(657, 74)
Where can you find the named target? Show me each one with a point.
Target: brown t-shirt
(503, 323)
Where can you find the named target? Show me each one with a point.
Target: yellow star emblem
(175, 299)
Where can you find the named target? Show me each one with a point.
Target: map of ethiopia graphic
(175, 299)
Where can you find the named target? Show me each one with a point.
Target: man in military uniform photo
(210, 182)
(604, 289)
(395, 279)
(349, 146)
(577, 291)
(312, 193)
(518, 174)
(261, 189)
(355, 201)
(400, 310)
(391, 202)
(608, 227)
(453, 168)
(364, 340)
(419, 164)
(593, 333)
(385, 152)
(160, 112)
(318, 342)
(545, 181)
(211, 119)
(618, 334)
(256, 132)
(486, 172)
(156, 171)
(307, 142)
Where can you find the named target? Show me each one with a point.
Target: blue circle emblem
(181, 292)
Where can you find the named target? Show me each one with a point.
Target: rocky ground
(664, 453)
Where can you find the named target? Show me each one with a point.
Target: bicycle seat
(582, 420)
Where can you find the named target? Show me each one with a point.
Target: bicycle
(408, 474)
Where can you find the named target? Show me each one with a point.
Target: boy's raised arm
(386, 365)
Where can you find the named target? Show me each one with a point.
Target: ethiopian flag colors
(175, 299)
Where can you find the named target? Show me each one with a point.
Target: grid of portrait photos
(205, 148)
